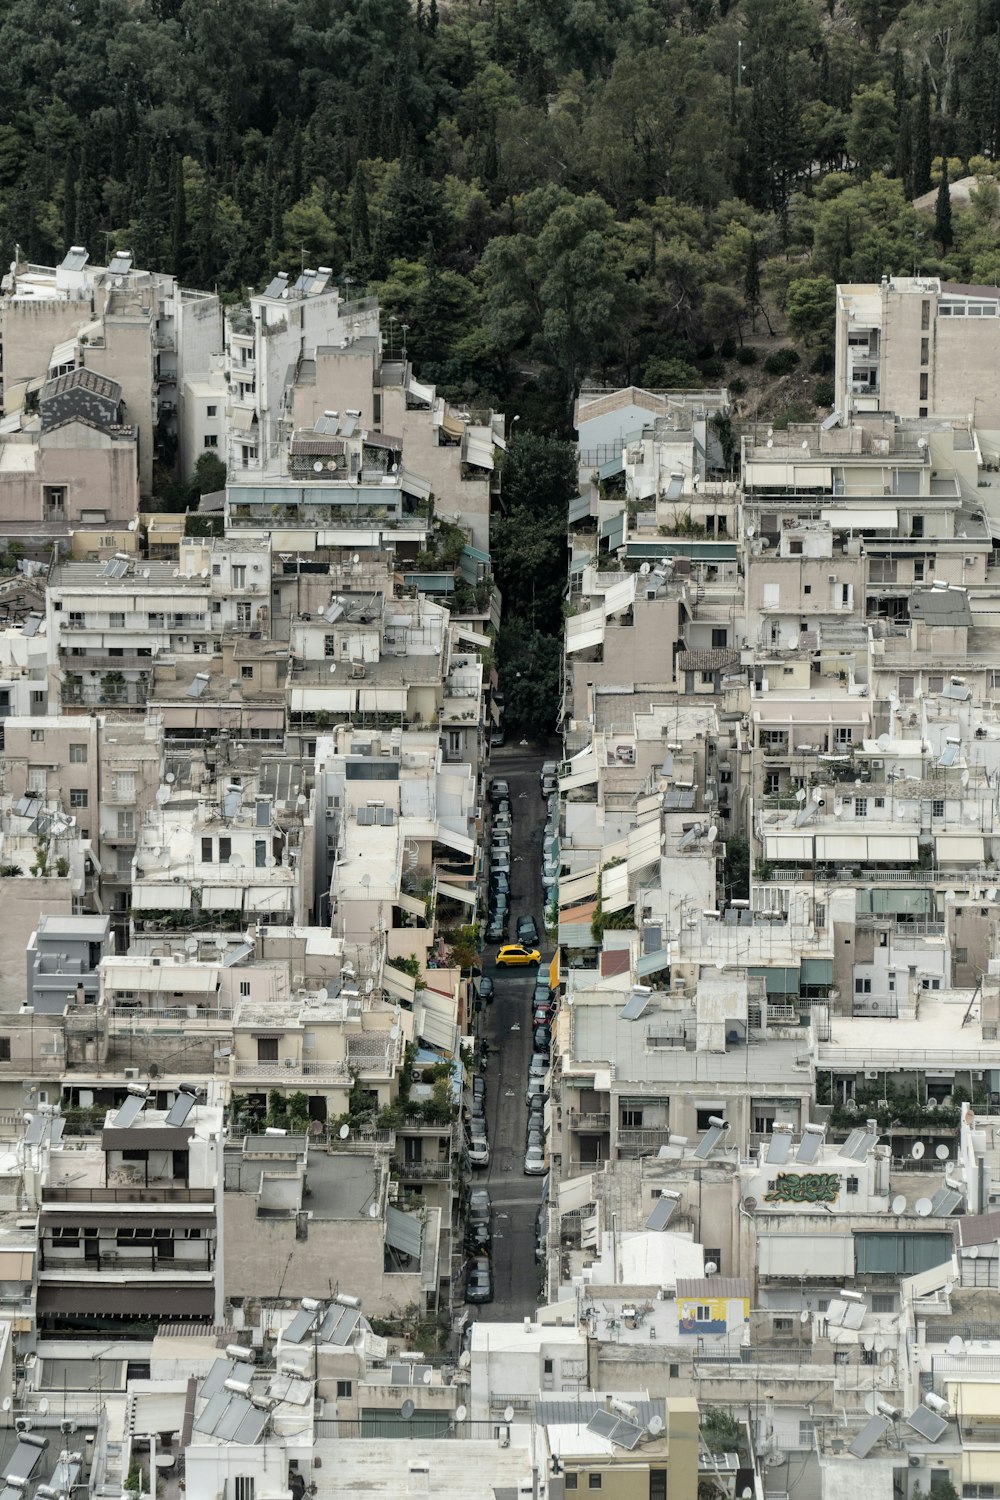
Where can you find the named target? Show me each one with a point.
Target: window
(703, 1313)
(594, 1481)
(631, 1119)
(862, 986)
(675, 1371)
(116, 619)
(246, 673)
(657, 1484)
(126, 823)
(570, 1481)
(851, 1185)
(706, 678)
(807, 588)
(763, 1124)
(123, 863)
(820, 914)
(225, 851)
(244, 988)
(772, 783)
(267, 1049)
(713, 1253)
(923, 386)
(212, 441)
(807, 1430)
(211, 411)
(4, 1049)
(329, 645)
(719, 638)
(37, 779)
(861, 807)
(78, 755)
(925, 350)
(206, 851)
(961, 955)
(843, 735)
(244, 1486)
(916, 525)
(125, 788)
(703, 1116)
(925, 314)
(883, 1302)
(345, 1390)
(259, 853)
(869, 1357)
(37, 736)
(783, 1325)
(78, 796)
(239, 576)
(547, 1367)
(841, 1357)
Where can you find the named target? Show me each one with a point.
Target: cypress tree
(922, 136)
(751, 281)
(178, 222)
(360, 229)
(69, 200)
(904, 150)
(942, 210)
(899, 82)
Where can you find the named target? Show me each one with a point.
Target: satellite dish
(406, 1410)
(132, 526)
(270, 862)
(898, 1204)
(333, 668)
(373, 1210)
(43, 1406)
(508, 1414)
(236, 861)
(889, 1375)
(713, 834)
(394, 1033)
(344, 1132)
(883, 742)
(868, 1343)
(880, 1344)
(356, 559)
(191, 945)
(917, 1152)
(923, 1207)
(805, 445)
(170, 778)
(461, 1412)
(973, 1252)
(655, 1426)
(318, 467)
(964, 778)
(428, 1375)
(163, 795)
(956, 1347)
(804, 1316)
(770, 442)
(941, 1152)
(6, 1403)
(800, 795)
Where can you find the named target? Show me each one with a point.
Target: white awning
(576, 888)
(472, 636)
(414, 484)
(437, 1020)
(575, 1193)
(222, 897)
(614, 888)
(268, 898)
(243, 418)
(63, 354)
(382, 700)
(788, 846)
(582, 772)
(160, 897)
(478, 451)
(959, 848)
(457, 892)
(412, 905)
(894, 846)
(643, 846)
(454, 840)
(841, 846)
(158, 1411)
(332, 700)
(192, 979)
(860, 518)
(860, 848)
(395, 982)
(585, 630)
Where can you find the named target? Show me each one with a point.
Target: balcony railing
(284, 1070)
(642, 1139)
(137, 1194)
(588, 1121)
(422, 1171)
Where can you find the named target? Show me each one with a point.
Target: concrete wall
(128, 357)
(31, 329)
(23, 899)
(46, 742)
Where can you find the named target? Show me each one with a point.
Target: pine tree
(922, 137)
(69, 200)
(360, 229)
(903, 165)
(751, 281)
(178, 222)
(942, 210)
(432, 18)
(899, 82)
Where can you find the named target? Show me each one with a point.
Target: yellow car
(515, 955)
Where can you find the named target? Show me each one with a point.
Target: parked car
(527, 931)
(541, 1040)
(496, 927)
(536, 1090)
(479, 1238)
(543, 992)
(498, 736)
(479, 1146)
(479, 1282)
(534, 1161)
(501, 864)
(500, 905)
(500, 882)
(480, 1206)
(499, 791)
(549, 777)
(541, 1015)
(517, 956)
(479, 1087)
(502, 809)
(536, 1113)
(539, 1065)
(486, 990)
(503, 822)
(500, 841)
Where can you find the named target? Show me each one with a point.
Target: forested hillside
(543, 189)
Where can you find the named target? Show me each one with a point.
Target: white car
(479, 1152)
(534, 1162)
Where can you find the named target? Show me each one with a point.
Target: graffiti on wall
(804, 1187)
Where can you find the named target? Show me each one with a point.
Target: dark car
(499, 792)
(503, 808)
(479, 1283)
(486, 990)
(543, 994)
(479, 1239)
(541, 1039)
(500, 882)
(527, 931)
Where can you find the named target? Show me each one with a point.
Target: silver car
(534, 1161)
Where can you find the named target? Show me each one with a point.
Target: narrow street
(508, 1028)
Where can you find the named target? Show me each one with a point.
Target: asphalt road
(508, 1029)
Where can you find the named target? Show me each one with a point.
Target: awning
(268, 898)
(414, 484)
(575, 1193)
(866, 848)
(614, 888)
(465, 894)
(436, 1020)
(643, 846)
(554, 971)
(191, 978)
(160, 897)
(452, 425)
(395, 982)
(861, 519)
(959, 848)
(652, 963)
(222, 897)
(243, 418)
(613, 530)
(612, 467)
(465, 633)
(478, 452)
(585, 630)
(147, 1301)
(576, 888)
(154, 1411)
(788, 846)
(412, 905)
(979, 1465)
(582, 771)
(974, 1398)
(64, 354)
(816, 971)
(579, 508)
(404, 1232)
(644, 487)
(455, 840)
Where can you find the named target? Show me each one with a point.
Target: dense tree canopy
(544, 189)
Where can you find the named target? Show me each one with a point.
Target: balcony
(149, 1261)
(137, 1194)
(288, 1070)
(593, 1121)
(422, 1171)
(633, 1140)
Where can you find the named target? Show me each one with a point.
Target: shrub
(727, 348)
(713, 368)
(737, 386)
(822, 393)
(781, 362)
(746, 355)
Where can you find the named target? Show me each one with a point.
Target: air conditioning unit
(132, 1074)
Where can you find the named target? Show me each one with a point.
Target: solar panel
(835, 1312)
(779, 1148)
(847, 1149)
(228, 1424)
(198, 684)
(945, 1201)
(35, 1131)
(709, 1141)
(180, 1109)
(861, 1146)
(855, 1314)
(299, 1327)
(634, 1008)
(339, 1324)
(216, 1378)
(209, 1419)
(948, 756)
(252, 1425)
(809, 1148)
(626, 1435)
(56, 1133)
(603, 1423)
(277, 287)
(26, 1457)
(868, 1437)
(927, 1423)
(130, 1111)
(400, 1374)
(231, 804)
(660, 1217)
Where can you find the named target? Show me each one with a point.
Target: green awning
(894, 900)
(476, 553)
(816, 971)
(430, 583)
(579, 508)
(700, 551)
(900, 1254)
(614, 530)
(612, 467)
(779, 981)
(652, 963)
